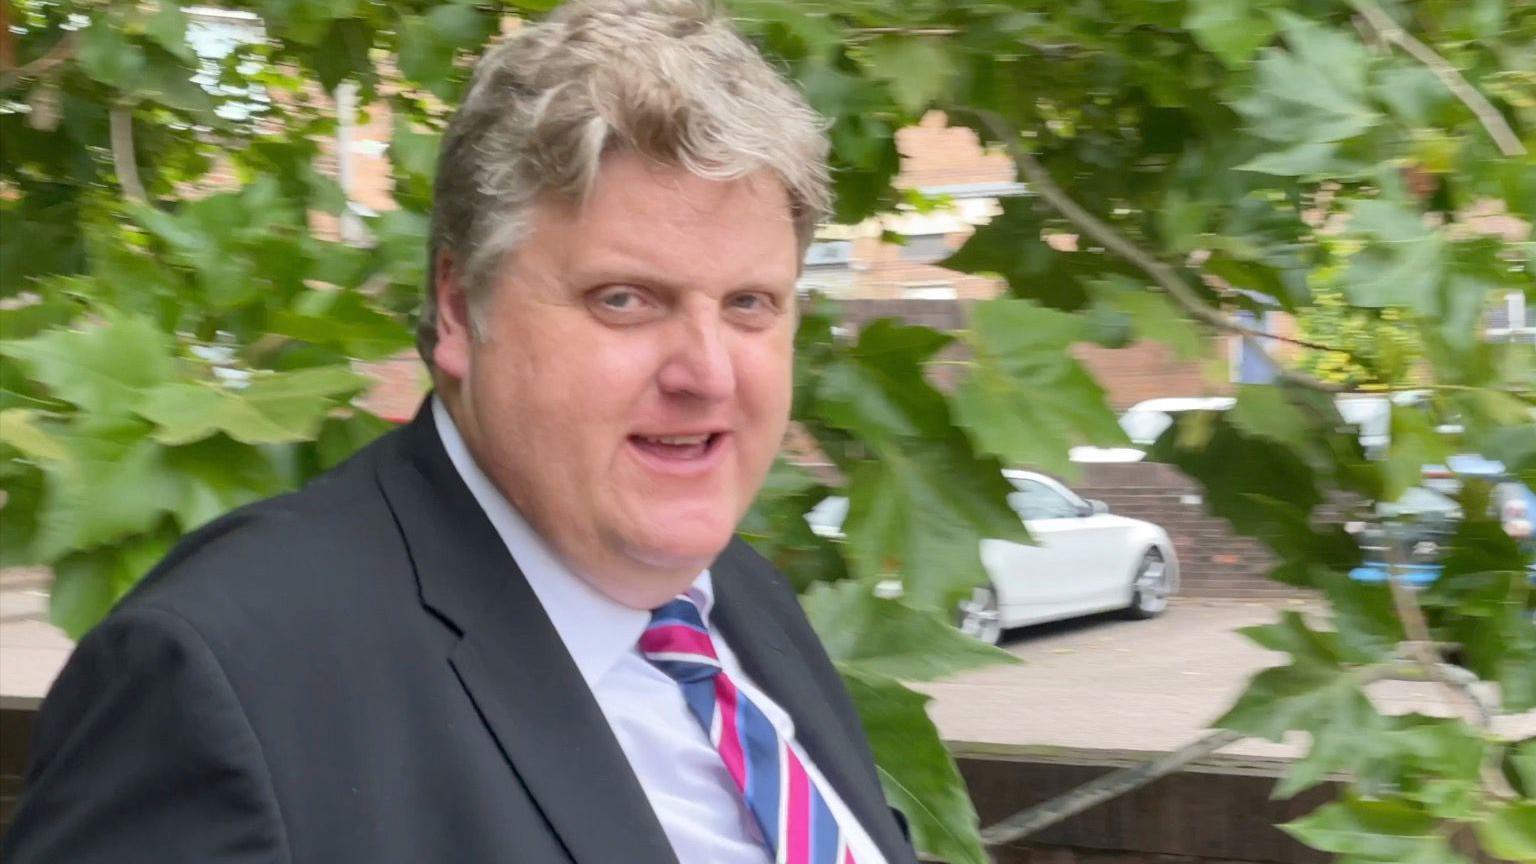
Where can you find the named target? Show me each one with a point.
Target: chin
(690, 549)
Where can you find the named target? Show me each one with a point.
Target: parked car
(1420, 524)
(1087, 561)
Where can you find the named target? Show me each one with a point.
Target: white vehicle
(1144, 422)
(1087, 561)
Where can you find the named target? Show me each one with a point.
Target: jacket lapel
(749, 610)
(513, 663)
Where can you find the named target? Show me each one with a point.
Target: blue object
(1416, 575)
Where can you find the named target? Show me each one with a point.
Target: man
(518, 629)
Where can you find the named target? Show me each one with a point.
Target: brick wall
(1147, 370)
(934, 154)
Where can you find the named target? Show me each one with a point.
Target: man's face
(634, 380)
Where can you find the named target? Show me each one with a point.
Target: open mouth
(680, 448)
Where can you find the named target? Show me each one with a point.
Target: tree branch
(62, 50)
(1101, 789)
(123, 157)
(1390, 32)
(1040, 181)
(1117, 783)
(1421, 649)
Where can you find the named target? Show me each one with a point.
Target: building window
(925, 248)
(928, 291)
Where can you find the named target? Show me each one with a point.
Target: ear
(454, 337)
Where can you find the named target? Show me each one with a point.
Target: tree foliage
(181, 318)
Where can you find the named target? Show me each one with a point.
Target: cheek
(765, 378)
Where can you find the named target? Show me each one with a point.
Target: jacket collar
(511, 661)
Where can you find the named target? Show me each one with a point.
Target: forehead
(642, 213)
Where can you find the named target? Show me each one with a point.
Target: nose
(698, 362)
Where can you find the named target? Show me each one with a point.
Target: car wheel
(1150, 587)
(978, 616)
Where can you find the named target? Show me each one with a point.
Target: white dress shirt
(703, 815)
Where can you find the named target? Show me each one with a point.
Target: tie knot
(677, 642)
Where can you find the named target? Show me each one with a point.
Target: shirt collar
(596, 629)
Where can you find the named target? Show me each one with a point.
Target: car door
(1078, 566)
(1031, 579)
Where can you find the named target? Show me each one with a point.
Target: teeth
(679, 440)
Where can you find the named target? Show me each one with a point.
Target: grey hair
(671, 80)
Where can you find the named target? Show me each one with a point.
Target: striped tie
(797, 826)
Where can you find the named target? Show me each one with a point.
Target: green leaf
(109, 58)
(1026, 399)
(346, 320)
(87, 584)
(1315, 92)
(103, 368)
(918, 69)
(879, 392)
(19, 429)
(1310, 160)
(1415, 444)
(1153, 315)
(340, 437)
(1314, 694)
(82, 593)
(1011, 245)
(168, 27)
(1233, 30)
(920, 514)
(112, 484)
(776, 527)
(1206, 446)
(1520, 762)
(274, 408)
(1402, 265)
(462, 26)
(917, 773)
(343, 53)
(216, 475)
(424, 57)
(921, 501)
(865, 633)
(22, 489)
(1509, 832)
(1385, 831)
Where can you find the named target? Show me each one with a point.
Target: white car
(1087, 561)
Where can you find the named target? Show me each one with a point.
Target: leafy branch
(1041, 182)
(1421, 647)
(1393, 33)
(61, 51)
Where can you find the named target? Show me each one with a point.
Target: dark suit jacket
(358, 672)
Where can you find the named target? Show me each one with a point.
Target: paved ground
(1096, 683)
(1104, 683)
(31, 650)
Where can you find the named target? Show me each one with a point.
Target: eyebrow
(591, 275)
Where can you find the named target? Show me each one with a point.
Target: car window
(1033, 500)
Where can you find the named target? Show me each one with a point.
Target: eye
(622, 304)
(753, 307)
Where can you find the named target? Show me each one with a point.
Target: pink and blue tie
(796, 824)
